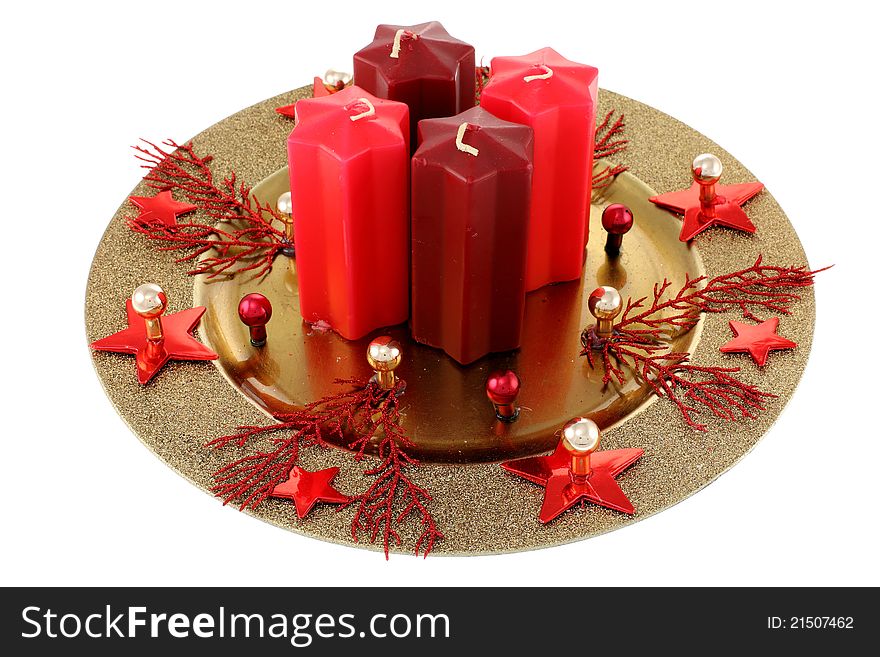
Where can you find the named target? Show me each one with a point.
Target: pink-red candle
(471, 186)
(420, 65)
(557, 98)
(349, 180)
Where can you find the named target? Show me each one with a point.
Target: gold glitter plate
(480, 508)
(447, 413)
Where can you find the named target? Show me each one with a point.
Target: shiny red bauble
(617, 219)
(503, 387)
(254, 310)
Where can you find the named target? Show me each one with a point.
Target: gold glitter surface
(480, 508)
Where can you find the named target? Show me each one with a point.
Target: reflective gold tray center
(447, 414)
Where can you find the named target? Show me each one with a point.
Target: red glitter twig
(638, 339)
(248, 241)
(758, 287)
(376, 506)
(365, 411)
(671, 375)
(609, 137)
(608, 142)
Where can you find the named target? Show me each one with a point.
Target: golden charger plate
(480, 508)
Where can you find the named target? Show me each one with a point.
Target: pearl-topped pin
(706, 170)
(580, 437)
(605, 305)
(384, 355)
(149, 302)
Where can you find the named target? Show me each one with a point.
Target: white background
(790, 88)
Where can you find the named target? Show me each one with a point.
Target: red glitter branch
(365, 411)
(671, 375)
(759, 287)
(637, 342)
(249, 242)
(376, 512)
(608, 142)
(482, 74)
(609, 137)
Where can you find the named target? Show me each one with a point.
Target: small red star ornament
(162, 207)
(757, 340)
(308, 488)
(320, 88)
(705, 203)
(176, 341)
(564, 487)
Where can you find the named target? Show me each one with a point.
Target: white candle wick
(546, 75)
(395, 47)
(370, 111)
(460, 145)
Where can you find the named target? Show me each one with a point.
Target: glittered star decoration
(307, 488)
(727, 204)
(319, 89)
(162, 207)
(757, 340)
(561, 493)
(177, 342)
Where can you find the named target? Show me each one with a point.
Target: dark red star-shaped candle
(162, 208)
(577, 473)
(155, 339)
(757, 340)
(705, 203)
(422, 66)
(471, 188)
(308, 488)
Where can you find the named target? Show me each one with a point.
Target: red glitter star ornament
(757, 340)
(307, 488)
(162, 207)
(706, 203)
(153, 339)
(575, 473)
(319, 89)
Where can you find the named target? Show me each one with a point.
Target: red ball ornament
(617, 219)
(502, 388)
(254, 310)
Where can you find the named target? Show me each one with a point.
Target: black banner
(519, 621)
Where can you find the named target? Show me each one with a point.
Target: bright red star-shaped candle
(177, 342)
(161, 207)
(757, 340)
(308, 488)
(562, 491)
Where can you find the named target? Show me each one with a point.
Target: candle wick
(395, 47)
(370, 111)
(460, 145)
(546, 75)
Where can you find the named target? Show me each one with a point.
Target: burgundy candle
(420, 65)
(471, 192)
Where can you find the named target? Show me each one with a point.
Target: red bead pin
(254, 310)
(617, 220)
(502, 388)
